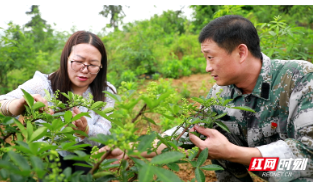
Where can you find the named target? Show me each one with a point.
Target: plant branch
(140, 113)
(119, 167)
(97, 165)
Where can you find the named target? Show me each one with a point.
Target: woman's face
(81, 78)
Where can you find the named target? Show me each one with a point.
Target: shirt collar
(263, 85)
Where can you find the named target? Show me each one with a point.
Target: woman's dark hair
(60, 79)
(231, 30)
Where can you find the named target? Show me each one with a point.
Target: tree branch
(140, 113)
(97, 165)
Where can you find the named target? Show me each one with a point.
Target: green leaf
(145, 173)
(80, 146)
(220, 116)
(81, 133)
(212, 167)
(173, 145)
(19, 160)
(21, 127)
(67, 116)
(102, 173)
(54, 124)
(244, 108)
(19, 136)
(37, 165)
(165, 175)
(23, 147)
(196, 120)
(78, 116)
(150, 120)
(97, 105)
(145, 142)
(83, 165)
(272, 33)
(35, 146)
(202, 157)
(167, 116)
(80, 153)
(222, 125)
(29, 128)
(195, 133)
(117, 122)
(65, 95)
(106, 178)
(67, 172)
(8, 120)
(131, 104)
(47, 96)
(38, 105)
(58, 114)
(167, 157)
(173, 166)
(139, 162)
(71, 95)
(28, 98)
(108, 110)
(115, 97)
(101, 138)
(201, 101)
(194, 154)
(165, 142)
(67, 130)
(4, 174)
(199, 175)
(226, 101)
(149, 102)
(39, 133)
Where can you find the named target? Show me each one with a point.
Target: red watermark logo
(263, 163)
(273, 164)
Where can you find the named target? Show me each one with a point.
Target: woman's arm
(13, 103)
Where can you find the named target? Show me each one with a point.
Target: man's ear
(243, 52)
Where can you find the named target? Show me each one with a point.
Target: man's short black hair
(231, 30)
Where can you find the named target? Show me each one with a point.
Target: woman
(83, 68)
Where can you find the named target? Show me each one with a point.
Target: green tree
(25, 49)
(116, 14)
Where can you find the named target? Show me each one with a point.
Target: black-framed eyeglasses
(92, 69)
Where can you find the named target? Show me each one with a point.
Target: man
(281, 93)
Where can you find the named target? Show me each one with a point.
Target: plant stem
(97, 165)
(119, 167)
(140, 113)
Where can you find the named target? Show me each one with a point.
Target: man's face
(224, 67)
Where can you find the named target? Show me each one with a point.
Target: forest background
(165, 45)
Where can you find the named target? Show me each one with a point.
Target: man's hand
(115, 154)
(220, 148)
(217, 144)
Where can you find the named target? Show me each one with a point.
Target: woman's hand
(17, 106)
(81, 124)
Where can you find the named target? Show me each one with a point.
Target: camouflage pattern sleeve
(299, 140)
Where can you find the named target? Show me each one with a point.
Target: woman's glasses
(77, 65)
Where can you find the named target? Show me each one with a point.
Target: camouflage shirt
(282, 125)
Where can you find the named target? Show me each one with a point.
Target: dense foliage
(164, 46)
